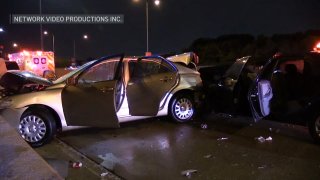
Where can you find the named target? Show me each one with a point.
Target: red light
(278, 54)
(317, 47)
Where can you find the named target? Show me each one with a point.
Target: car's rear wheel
(182, 108)
(314, 128)
(37, 127)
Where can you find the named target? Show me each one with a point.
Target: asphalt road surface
(216, 147)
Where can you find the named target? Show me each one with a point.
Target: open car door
(89, 97)
(151, 79)
(231, 76)
(261, 93)
(227, 91)
(259, 98)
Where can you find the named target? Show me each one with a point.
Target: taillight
(36, 60)
(43, 60)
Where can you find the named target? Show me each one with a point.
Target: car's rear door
(90, 99)
(151, 78)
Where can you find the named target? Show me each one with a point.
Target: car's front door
(231, 76)
(151, 78)
(227, 87)
(90, 99)
(261, 92)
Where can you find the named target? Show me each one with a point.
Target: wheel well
(183, 91)
(50, 110)
(311, 112)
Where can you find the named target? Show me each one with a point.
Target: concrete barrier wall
(18, 160)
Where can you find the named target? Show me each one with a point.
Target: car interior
(293, 84)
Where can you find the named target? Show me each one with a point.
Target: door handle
(165, 79)
(104, 89)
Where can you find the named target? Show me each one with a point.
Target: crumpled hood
(184, 70)
(16, 81)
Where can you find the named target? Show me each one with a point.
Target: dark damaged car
(101, 93)
(286, 89)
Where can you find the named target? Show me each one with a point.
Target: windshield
(68, 75)
(235, 70)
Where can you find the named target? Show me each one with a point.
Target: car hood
(15, 82)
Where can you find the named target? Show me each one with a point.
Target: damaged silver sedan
(101, 93)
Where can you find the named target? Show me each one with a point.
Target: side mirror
(50, 75)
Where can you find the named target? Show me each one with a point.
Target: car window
(12, 65)
(268, 70)
(234, 71)
(103, 71)
(147, 67)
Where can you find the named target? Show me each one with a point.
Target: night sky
(173, 25)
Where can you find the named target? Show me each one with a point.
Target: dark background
(175, 26)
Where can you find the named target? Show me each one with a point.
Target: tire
(182, 108)
(37, 127)
(314, 128)
(119, 95)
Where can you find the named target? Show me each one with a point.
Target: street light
(1, 30)
(157, 3)
(85, 36)
(46, 33)
(15, 45)
(41, 35)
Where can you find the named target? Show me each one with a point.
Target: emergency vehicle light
(39, 53)
(26, 53)
(317, 47)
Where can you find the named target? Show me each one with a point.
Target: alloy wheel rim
(32, 128)
(183, 109)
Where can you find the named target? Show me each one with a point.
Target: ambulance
(37, 62)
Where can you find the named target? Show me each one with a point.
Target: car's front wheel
(37, 127)
(182, 108)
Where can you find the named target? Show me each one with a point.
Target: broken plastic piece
(269, 138)
(204, 126)
(76, 165)
(104, 174)
(260, 139)
(188, 172)
(222, 138)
